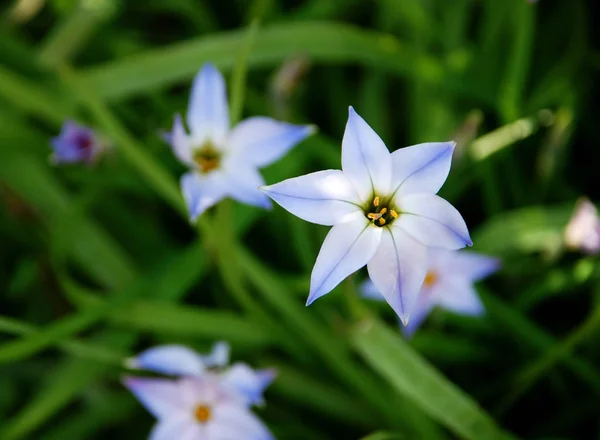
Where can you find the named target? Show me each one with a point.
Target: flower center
(207, 158)
(381, 213)
(430, 279)
(83, 141)
(202, 413)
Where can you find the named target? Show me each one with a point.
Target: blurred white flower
(583, 230)
(224, 161)
(448, 284)
(196, 407)
(178, 360)
(383, 210)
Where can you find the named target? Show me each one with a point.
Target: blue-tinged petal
(180, 428)
(398, 270)
(161, 397)
(469, 266)
(180, 142)
(347, 247)
(365, 159)
(368, 290)
(422, 168)
(169, 359)
(208, 112)
(242, 183)
(232, 421)
(325, 197)
(200, 192)
(260, 141)
(433, 221)
(459, 296)
(248, 383)
(219, 355)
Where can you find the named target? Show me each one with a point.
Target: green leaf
(327, 42)
(412, 376)
(168, 319)
(531, 229)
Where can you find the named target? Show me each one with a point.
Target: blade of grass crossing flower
(412, 376)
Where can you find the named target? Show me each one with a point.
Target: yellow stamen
(383, 211)
(373, 216)
(381, 221)
(393, 213)
(376, 201)
(202, 413)
(430, 279)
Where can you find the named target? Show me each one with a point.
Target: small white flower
(448, 284)
(224, 161)
(177, 360)
(384, 211)
(198, 407)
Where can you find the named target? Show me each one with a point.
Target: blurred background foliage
(100, 262)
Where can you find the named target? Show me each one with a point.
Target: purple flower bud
(75, 143)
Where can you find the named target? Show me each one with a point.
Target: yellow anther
(381, 221)
(376, 201)
(373, 216)
(383, 211)
(393, 213)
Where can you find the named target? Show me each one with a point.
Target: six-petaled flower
(224, 161)
(384, 211)
(209, 400)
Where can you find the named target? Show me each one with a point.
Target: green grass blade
(328, 42)
(409, 374)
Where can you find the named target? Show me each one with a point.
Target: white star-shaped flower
(384, 211)
(224, 161)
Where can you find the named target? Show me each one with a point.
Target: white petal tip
(405, 320)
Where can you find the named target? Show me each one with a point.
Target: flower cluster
(205, 400)
(384, 211)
